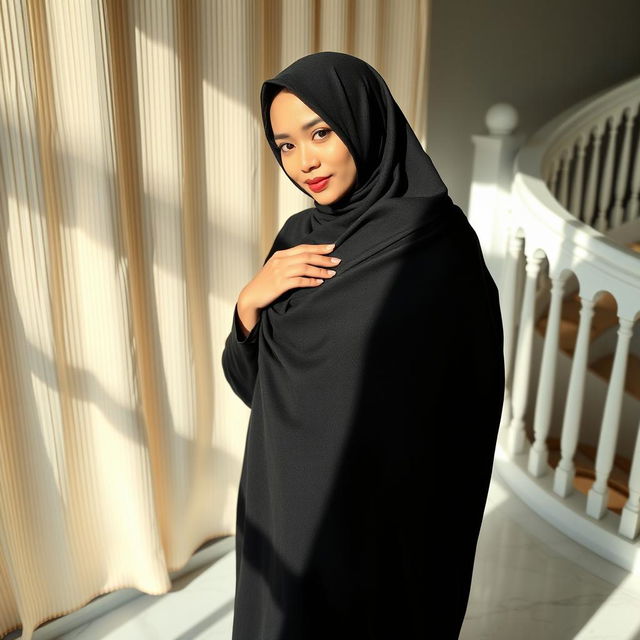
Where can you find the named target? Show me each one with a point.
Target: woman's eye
(327, 131)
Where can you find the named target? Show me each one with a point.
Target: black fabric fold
(251, 337)
(375, 397)
(240, 359)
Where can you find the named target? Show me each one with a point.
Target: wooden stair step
(584, 461)
(603, 366)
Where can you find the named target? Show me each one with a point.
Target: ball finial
(501, 119)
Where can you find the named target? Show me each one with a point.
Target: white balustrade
(567, 187)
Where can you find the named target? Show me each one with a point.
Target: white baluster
(508, 307)
(622, 172)
(633, 204)
(553, 186)
(578, 179)
(592, 182)
(546, 175)
(565, 163)
(604, 197)
(598, 494)
(523, 354)
(565, 471)
(630, 520)
(538, 454)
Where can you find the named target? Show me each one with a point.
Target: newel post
(491, 178)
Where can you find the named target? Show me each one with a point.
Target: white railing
(593, 164)
(533, 205)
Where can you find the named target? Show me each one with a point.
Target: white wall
(540, 56)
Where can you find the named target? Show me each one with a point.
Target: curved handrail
(618, 265)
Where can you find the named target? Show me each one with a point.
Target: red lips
(319, 185)
(314, 180)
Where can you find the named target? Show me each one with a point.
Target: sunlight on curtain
(137, 197)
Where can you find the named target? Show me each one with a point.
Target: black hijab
(369, 393)
(353, 98)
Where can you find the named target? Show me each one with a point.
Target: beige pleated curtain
(137, 197)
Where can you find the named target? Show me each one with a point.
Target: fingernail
(335, 260)
(330, 246)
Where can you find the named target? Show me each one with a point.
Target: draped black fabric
(375, 397)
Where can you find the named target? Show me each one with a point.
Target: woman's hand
(301, 266)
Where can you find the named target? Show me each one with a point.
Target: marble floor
(530, 582)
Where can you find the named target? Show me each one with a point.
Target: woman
(375, 393)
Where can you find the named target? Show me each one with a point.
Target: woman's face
(309, 149)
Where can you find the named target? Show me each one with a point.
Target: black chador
(375, 397)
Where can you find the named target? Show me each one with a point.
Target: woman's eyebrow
(277, 136)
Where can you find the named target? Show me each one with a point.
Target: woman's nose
(308, 158)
